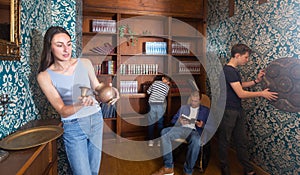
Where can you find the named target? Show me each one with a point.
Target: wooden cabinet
(139, 40)
(33, 161)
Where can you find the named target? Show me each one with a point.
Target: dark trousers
(233, 124)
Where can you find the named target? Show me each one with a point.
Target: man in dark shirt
(233, 122)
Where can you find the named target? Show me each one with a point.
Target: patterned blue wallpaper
(18, 78)
(272, 31)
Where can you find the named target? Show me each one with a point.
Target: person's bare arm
(200, 123)
(237, 87)
(96, 85)
(246, 84)
(54, 98)
(93, 78)
(254, 82)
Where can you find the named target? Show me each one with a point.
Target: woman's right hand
(86, 100)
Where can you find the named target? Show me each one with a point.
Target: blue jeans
(83, 141)
(193, 140)
(156, 113)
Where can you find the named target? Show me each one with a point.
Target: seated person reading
(189, 123)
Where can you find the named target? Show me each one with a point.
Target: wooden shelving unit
(177, 31)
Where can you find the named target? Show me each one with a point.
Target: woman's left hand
(117, 97)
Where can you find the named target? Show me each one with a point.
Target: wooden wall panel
(191, 8)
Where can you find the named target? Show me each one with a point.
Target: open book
(191, 120)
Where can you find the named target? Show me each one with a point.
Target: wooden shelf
(147, 36)
(110, 119)
(106, 75)
(92, 54)
(133, 116)
(151, 22)
(98, 33)
(184, 74)
(130, 75)
(146, 55)
(187, 37)
(184, 55)
(138, 95)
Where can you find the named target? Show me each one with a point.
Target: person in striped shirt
(157, 101)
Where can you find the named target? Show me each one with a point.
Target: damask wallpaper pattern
(18, 78)
(272, 30)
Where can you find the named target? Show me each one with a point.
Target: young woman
(60, 78)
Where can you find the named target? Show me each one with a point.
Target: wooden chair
(205, 101)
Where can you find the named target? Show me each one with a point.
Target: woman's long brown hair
(47, 58)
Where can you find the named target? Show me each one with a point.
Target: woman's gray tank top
(68, 88)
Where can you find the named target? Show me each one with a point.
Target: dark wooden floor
(129, 158)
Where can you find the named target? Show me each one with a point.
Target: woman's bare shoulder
(43, 77)
(85, 60)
